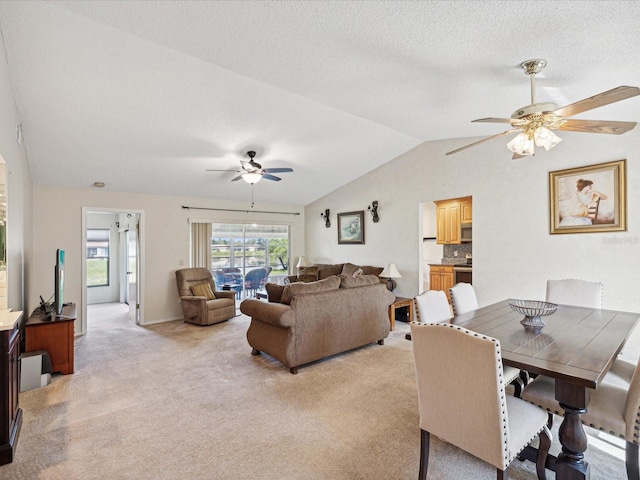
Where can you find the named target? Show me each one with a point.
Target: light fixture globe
(251, 178)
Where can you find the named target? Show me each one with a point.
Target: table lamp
(390, 272)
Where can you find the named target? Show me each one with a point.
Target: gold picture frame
(351, 228)
(589, 199)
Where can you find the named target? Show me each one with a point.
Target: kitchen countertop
(8, 319)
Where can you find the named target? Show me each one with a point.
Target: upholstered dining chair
(451, 362)
(432, 306)
(464, 300)
(614, 407)
(579, 293)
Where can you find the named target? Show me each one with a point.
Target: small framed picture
(589, 199)
(351, 227)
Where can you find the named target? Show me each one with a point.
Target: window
(97, 257)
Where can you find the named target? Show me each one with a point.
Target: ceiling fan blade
(210, 170)
(235, 179)
(277, 170)
(497, 120)
(266, 176)
(597, 126)
(600, 100)
(482, 141)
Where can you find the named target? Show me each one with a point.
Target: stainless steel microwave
(465, 232)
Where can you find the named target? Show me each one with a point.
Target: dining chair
(579, 293)
(464, 300)
(461, 399)
(432, 306)
(614, 407)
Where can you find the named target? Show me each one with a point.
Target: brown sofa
(320, 271)
(196, 307)
(318, 319)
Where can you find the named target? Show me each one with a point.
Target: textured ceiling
(145, 96)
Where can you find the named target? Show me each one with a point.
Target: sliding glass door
(244, 257)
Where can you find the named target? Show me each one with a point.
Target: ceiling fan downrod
(532, 68)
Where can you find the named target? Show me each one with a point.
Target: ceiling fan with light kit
(252, 172)
(536, 122)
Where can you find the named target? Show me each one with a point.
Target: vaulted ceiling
(145, 96)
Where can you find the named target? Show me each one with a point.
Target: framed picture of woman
(351, 227)
(589, 199)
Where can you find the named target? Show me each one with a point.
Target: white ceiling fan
(536, 122)
(252, 172)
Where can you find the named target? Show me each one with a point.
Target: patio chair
(253, 280)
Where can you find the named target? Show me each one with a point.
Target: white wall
(58, 224)
(513, 252)
(19, 204)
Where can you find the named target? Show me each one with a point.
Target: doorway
(112, 261)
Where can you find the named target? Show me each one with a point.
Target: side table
(398, 303)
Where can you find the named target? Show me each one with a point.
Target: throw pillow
(274, 292)
(350, 268)
(349, 281)
(202, 290)
(308, 274)
(293, 289)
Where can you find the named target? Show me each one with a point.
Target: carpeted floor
(175, 400)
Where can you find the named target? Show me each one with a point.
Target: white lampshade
(302, 262)
(546, 138)
(390, 271)
(521, 144)
(251, 177)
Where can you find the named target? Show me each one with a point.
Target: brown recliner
(197, 309)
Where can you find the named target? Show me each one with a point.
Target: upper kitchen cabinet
(450, 214)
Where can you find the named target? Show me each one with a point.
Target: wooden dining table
(576, 348)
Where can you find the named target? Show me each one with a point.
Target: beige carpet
(176, 401)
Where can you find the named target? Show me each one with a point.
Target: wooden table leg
(571, 464)
(392, 316)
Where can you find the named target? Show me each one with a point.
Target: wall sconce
(373, 208)
(325, 216)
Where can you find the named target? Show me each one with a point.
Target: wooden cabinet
(466, 211)
(56, 336)
(449, 215)
(10, 412)
(441, 278)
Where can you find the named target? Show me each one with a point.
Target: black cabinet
(10, 411)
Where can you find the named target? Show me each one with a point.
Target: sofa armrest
(277, 314)
(194, 307)
(225, 294)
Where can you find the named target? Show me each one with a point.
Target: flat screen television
(58, 301)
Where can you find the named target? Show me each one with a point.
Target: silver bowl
(532, 311)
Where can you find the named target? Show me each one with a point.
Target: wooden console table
(398, 303)
(53, 334)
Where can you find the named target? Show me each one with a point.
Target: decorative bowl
(532, 311)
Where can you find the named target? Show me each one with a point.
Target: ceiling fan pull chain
(252, 195)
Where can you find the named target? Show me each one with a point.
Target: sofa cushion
(368, 270)
(349, 281)
(329, 270)
(308, 274)
(202, 290)
(293, 289)
(274, 292)
(349, 268)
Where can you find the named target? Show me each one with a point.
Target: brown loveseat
(318, 319)
(320, 271)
